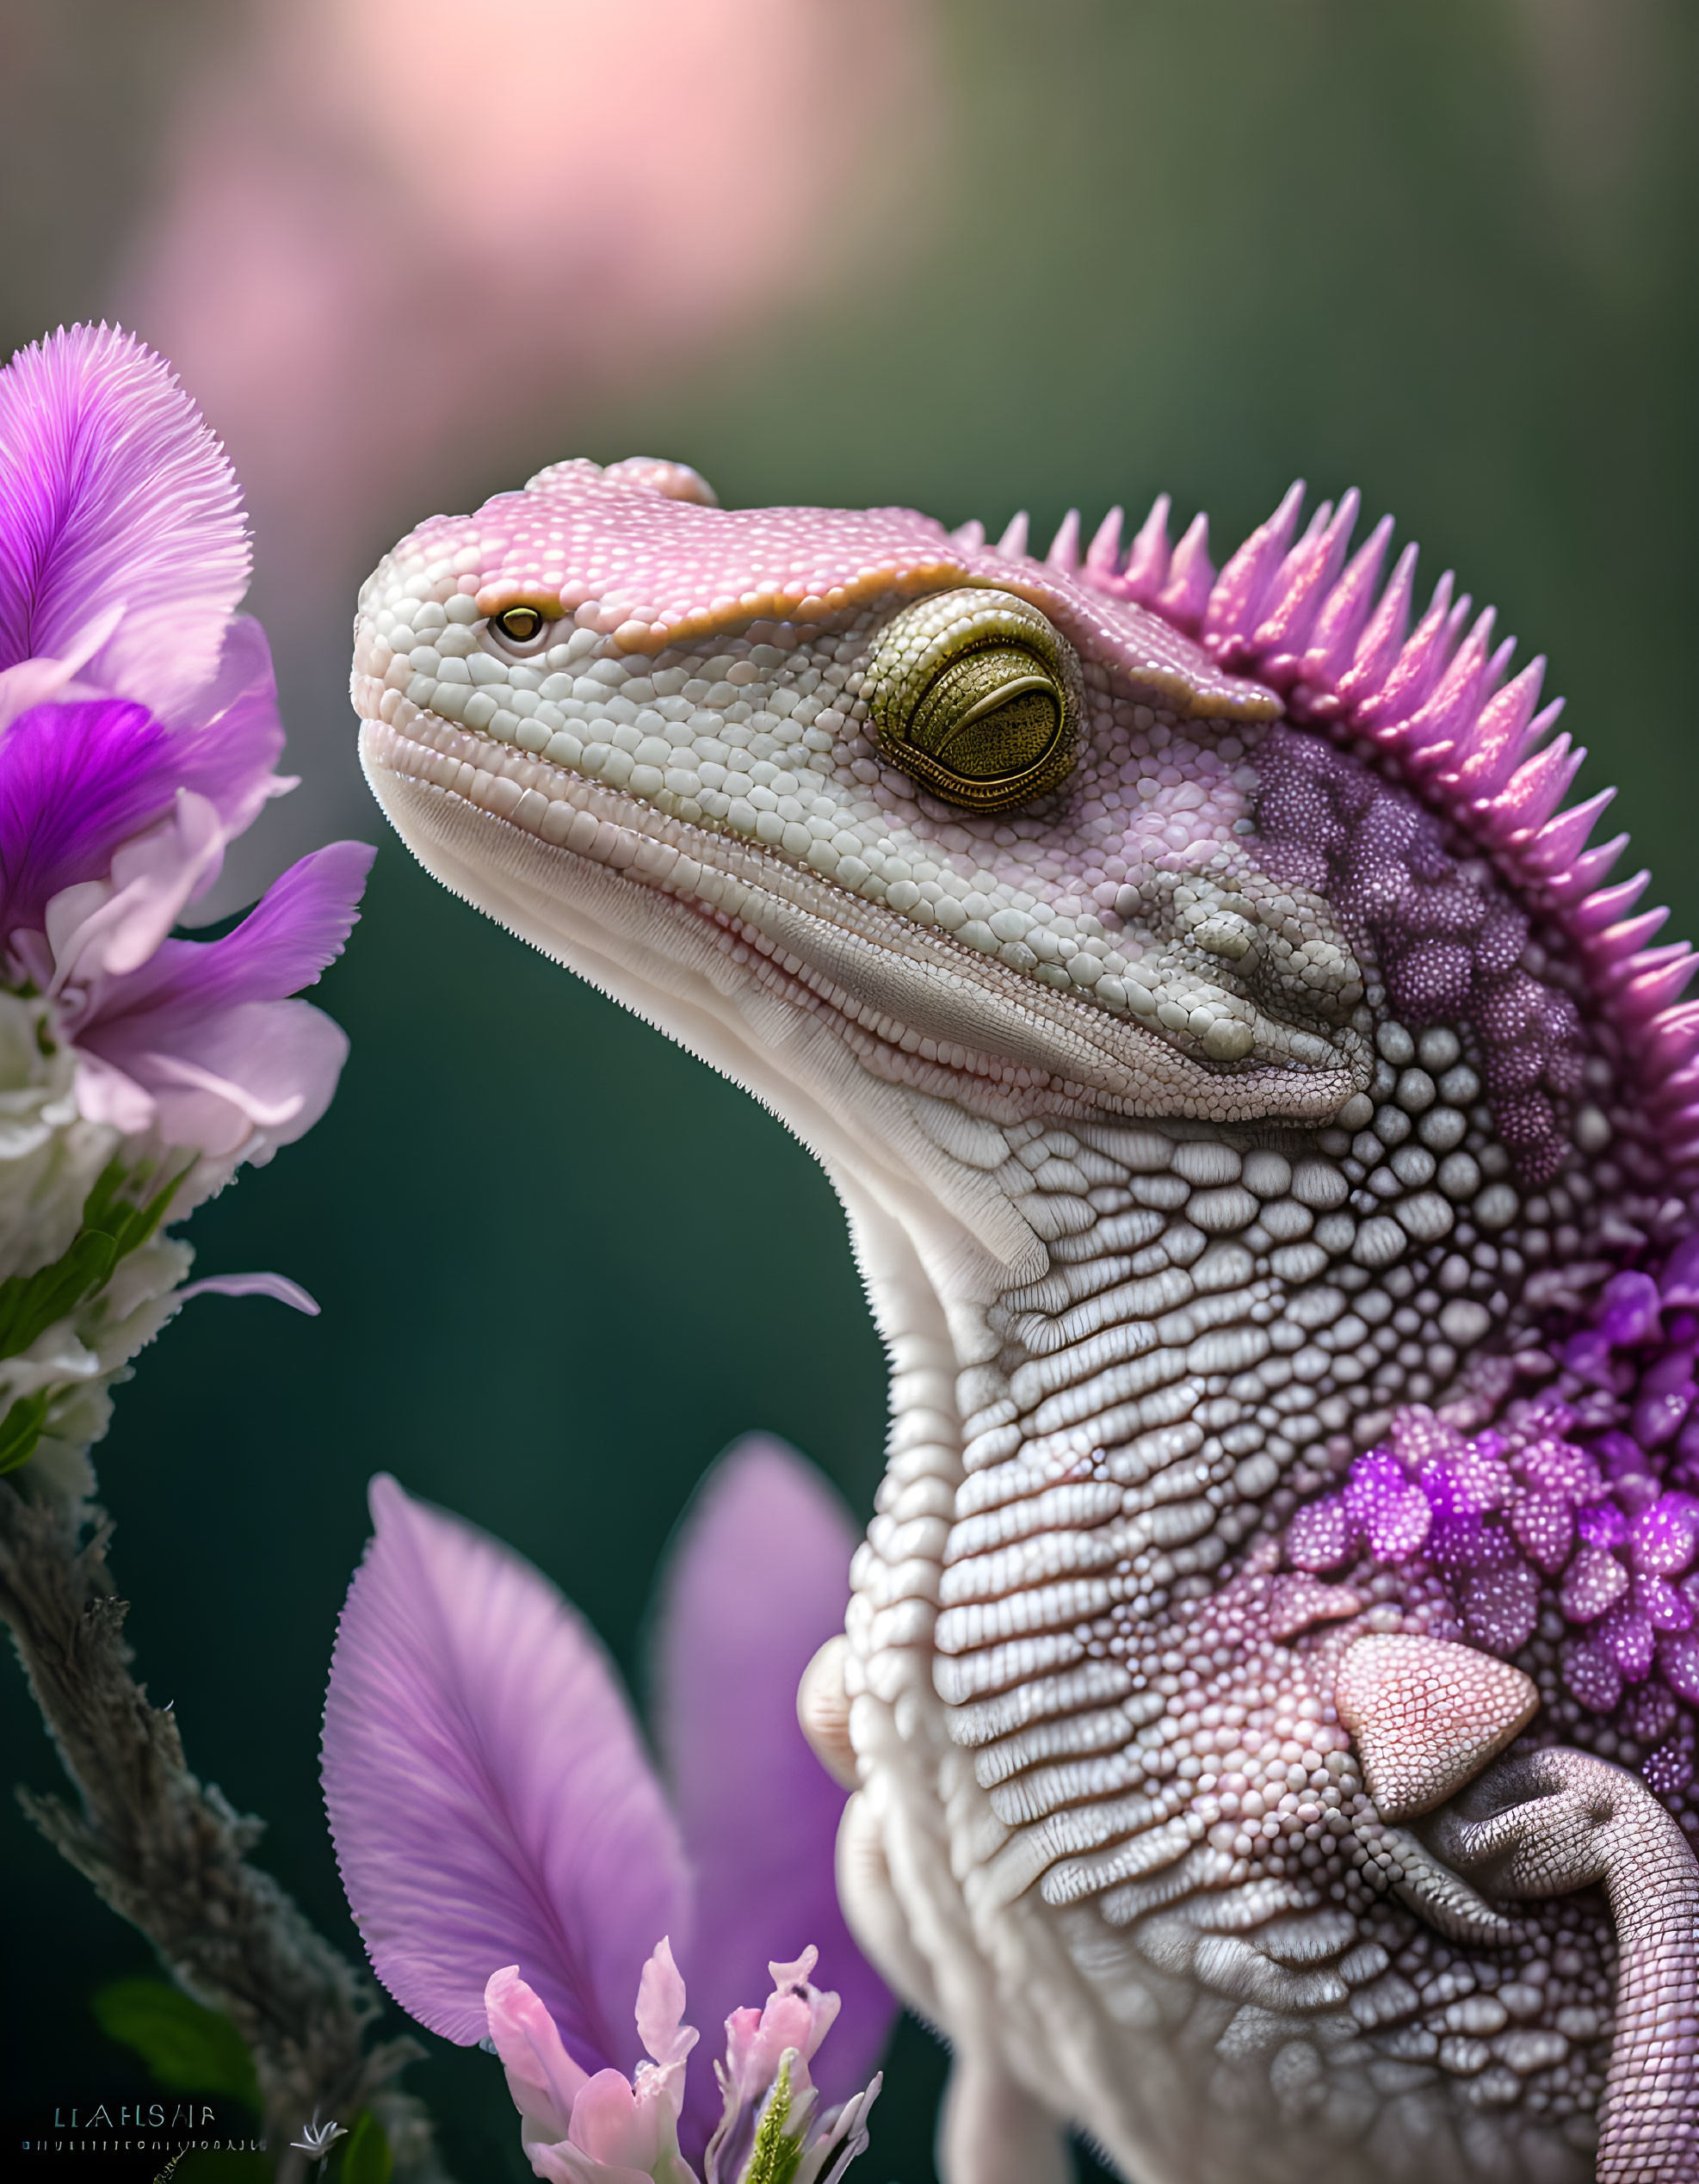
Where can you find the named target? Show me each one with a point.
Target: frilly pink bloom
(766, 2084)
(609, 2129)
(575, 2127)
(511, 1854)
(139, 736)
(796, 2015)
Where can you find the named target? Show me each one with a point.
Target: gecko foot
(1541, 1823)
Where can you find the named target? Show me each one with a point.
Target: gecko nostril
(1229, 935)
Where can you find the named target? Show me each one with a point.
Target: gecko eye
(978, 697)
(520, 625)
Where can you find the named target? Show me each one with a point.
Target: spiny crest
(1289, 609)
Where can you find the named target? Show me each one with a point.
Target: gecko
(1266, 1131)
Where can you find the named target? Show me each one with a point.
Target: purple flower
(139, 735)
(505, 1842)
(198, 1044)
(123, 550)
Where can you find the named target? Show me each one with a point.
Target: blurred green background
(1446, 254)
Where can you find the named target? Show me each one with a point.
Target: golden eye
(520, 624)
(978, 697)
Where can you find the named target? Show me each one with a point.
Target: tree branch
(170, 1856)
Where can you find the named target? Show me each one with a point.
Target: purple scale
(1629, 1639)
(1651, 1711)
(1592, 1675)
(1678, 1657)
(1592, 1583)
(1668, 1770)
(1664, 1536)
(1631, 1308)
(1602, 1524)
(1319, 1536)
(1544, 1524)
(1585, 1499)
(1662, 1605)
(1387, 1510)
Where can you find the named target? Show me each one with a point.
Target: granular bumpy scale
(1566, 1539)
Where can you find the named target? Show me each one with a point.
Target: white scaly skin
(1133, 1299)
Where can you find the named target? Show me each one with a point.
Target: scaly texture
(1270, 1153)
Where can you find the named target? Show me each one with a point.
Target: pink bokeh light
(403, 238)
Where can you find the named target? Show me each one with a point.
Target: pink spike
(1012, 545)
(1104, 554)
(1191, 577)
(1622, 939)
(1673, 1059)
(1676, 1032)
(1380, 643)
(1417, 668)
(1535, 790)
(1434, 731)
(1508, 731)
(1657, 987)
(1587, 869)
(1343, 613)
(1654, 959)
(1300, 589)
(1237, 599)
(970, 536)
(1680, 1088)
(1146, 569)
(1064, 552)
(1609, 904)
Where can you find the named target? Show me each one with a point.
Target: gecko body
(1265, 1135)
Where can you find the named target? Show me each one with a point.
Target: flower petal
(757, 1580)
(196, 1029)
(660, 2009)
(111, 929)
(488, 1793)
(541, 2076)
(81, 779)
(247, 1079)
(277, 1286)
(113, 490)
(294, 933)
(77, 781)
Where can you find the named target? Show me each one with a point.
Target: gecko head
(841, 795)
(988, 825)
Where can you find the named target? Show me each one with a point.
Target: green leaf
(20, 1428)
(188, 2048)
(128, 1226)
(29, 1303)
(112, 1228)
(368, 2158)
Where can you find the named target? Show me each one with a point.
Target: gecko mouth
(914, 991)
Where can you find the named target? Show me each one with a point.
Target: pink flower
(576, 2128)
(511, 1854)
(138, 732)
(795, 2016)
(574, 2125)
